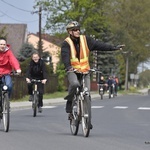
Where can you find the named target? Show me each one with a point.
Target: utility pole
(127, 70)
(40, 36)
(126, 54)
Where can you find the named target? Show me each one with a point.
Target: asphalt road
(121, 123)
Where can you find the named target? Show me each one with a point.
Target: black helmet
(73, 25)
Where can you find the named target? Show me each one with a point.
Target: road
(121, 123)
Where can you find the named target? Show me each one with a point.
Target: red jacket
(8, 61)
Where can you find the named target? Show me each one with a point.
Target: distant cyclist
(102, 82)
(36, 70)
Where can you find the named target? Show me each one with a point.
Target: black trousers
(40, 88)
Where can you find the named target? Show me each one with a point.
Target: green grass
(55, 95)
(45, 96)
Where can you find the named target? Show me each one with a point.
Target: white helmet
(72, 25)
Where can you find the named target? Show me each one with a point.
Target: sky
(19, 11)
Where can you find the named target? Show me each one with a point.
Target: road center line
(97, 106)
(120, 107)
(49, 106)
(144, 108)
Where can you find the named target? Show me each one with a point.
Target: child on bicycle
(36, 70)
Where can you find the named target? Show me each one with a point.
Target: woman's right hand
(28, 80)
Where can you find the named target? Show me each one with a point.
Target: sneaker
(30, 98)
(40, 109)
(68, 106)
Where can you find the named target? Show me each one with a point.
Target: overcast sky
(19, 11)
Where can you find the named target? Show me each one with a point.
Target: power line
(16, 7)
(16, 19)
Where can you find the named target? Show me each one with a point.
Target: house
(16, 35)
(48, 46)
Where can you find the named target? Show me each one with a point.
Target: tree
(25, 51)
(89, 13)
(2, 33)
(129, 21)
(115, 21)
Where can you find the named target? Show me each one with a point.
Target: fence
(20, 86)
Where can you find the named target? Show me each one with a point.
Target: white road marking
(49, 106)
(144, 108)
(97, 106)
(120, 107)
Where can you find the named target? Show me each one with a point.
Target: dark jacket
(92, 45)
(36, 70)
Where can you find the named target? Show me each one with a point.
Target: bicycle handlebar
(36, 81)
(90, 71)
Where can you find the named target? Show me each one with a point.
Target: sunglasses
(76, 29)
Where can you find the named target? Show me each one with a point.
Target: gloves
(28, 80)
(44, 81)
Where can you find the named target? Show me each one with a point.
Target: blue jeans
(7, 79)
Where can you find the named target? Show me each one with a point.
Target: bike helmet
(72, 25)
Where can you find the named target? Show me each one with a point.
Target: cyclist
(8, 63)
(110, 83)
(103, 82)
(75, 55)
(36, 70)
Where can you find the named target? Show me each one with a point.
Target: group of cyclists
(112, 82)
(75, 52)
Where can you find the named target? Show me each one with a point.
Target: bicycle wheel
(35, 104)
(101, 92)
(74, 118)
(5, 112)
(113, 92)
(1, 109)
(109, 91)
(86, 115)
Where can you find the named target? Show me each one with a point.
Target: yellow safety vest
(81, 65)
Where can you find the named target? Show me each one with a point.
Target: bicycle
(35, 101)
(81, 108)
(111, 89)
(4, 101)
(101, 90)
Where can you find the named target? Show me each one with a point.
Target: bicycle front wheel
(35, 104)
(86, 115)
(74, 118)
(6, 115)
(109, 92)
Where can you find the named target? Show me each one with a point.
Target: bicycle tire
(35, 104)
(113, 92)
(109, 92)
(86, 116)
(101, 94)
(6, 112)
(74, 120)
